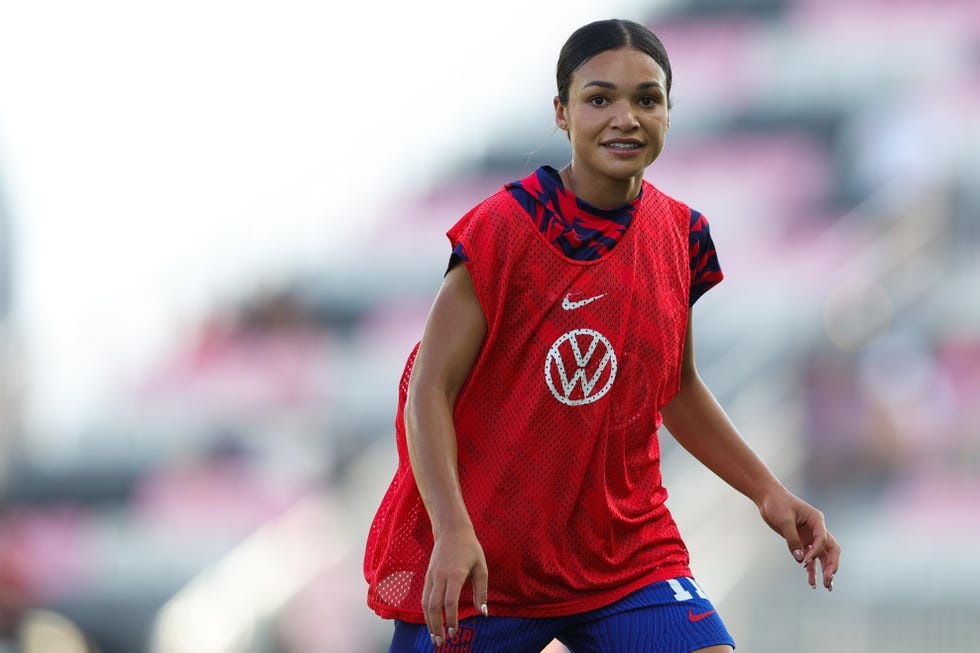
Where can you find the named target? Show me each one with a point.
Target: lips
(623, 147)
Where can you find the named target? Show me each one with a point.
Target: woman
(528, 502)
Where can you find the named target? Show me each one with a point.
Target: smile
(623, 147)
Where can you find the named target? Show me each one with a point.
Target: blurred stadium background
(221, 225)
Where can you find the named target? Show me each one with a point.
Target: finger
(432, 606)
(480, 580)
(811, 571)
(830, 562)
(426, 593)
(819, 542)
(788, 530)
(450, 604)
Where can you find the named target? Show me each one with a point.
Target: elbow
(686, 399)
(424, 399)
(689, 379)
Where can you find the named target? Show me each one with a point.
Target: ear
(560, 118)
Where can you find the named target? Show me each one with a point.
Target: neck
(605, 193)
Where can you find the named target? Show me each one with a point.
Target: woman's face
(616, 116)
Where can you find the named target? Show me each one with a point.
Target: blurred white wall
(162, 156)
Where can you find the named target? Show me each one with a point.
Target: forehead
(627, 66)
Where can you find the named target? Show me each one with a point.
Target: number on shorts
(681, 594)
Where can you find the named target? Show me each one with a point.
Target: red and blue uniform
(558, 453)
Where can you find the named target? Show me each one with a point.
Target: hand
(456, 557)
(806, 534)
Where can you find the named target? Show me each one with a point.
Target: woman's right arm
(453, 334)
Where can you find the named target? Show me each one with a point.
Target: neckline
(584, 204)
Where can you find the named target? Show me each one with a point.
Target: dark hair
(595, 38)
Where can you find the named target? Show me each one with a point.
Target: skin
(617, 96)
(450, 343)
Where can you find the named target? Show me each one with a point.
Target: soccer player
(528, 503)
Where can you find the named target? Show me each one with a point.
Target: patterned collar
(579, 230)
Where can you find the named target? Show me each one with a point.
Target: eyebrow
(611, 86)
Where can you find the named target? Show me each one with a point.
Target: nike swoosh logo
(699, 617)
(569, 305)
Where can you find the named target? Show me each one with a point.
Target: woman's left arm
(699, 423)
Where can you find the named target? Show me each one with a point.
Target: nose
(623, 117)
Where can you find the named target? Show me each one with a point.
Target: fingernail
(438, 641)
(432, 638)
(798, 554)
(483, 609)
(450, 633)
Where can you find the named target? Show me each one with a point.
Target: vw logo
(580, 367)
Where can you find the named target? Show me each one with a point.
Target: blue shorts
(672, 616)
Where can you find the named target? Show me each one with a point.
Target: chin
(628, 169)
(627, 173)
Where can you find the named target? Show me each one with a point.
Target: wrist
(766, 491)
(455, 520)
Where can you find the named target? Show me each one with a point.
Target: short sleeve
(479, 241)
(705, 269)
(458, 255)
(467, 234)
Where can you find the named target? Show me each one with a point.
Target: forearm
(431, 439)
(453, 335)
(699, 423)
